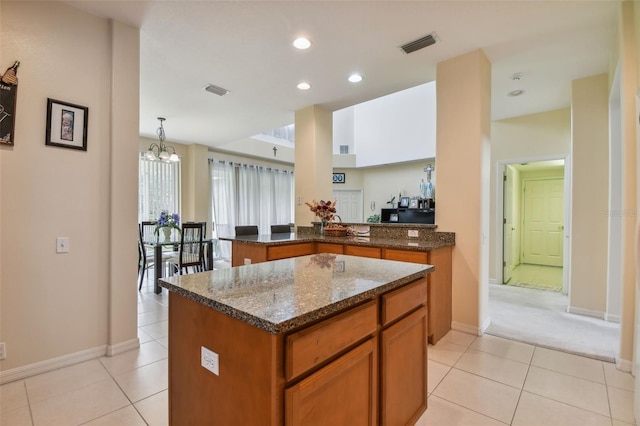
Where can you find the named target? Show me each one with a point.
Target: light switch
(62, 245)
(413, 233)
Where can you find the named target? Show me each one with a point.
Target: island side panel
(440, 293)
(241, 251)
(249, 389)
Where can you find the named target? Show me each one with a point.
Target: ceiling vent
(216, 90)
(421, 43)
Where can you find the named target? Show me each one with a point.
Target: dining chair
(280, 229)
(145, 259)
(191, 249)
(246, 230)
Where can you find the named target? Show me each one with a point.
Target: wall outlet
(62, 245)
(247, 261)
(413, 233)
(3, 351)
(209, 360)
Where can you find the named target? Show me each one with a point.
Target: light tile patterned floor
(472, 381)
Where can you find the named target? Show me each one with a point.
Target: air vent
(344, 149)
(216, 90)
(421, 43)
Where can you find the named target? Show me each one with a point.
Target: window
(248, 195)
(158, 188)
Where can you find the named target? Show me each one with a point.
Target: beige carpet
(539, 317)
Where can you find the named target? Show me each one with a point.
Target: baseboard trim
(624, 365)
(612, 318)
(34, 369)
(493, 281)
(119, 348)
(466, 328)
(585, 312)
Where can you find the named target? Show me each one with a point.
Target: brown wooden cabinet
(439, 281)
(440, 294)
(365, 365)
(403, 385)
(362, 251)
(345, 392)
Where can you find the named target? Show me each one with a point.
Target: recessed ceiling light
(515, 92)
(355, 78)
(304, 86)
(301, 43)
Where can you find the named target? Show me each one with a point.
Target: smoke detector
(421, 43)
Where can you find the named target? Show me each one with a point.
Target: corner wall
(57, 309)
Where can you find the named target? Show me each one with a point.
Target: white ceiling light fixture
(304, 86)
(355, 78)
(161, 148)
(216, 90)
(301, 43)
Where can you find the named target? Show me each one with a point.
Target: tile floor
(537, 276)
(472, 381)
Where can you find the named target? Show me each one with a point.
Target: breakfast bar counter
(322, 338)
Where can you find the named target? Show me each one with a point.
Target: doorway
(349, 205)
(533, 225)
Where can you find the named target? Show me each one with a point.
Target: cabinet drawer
(406, 255)
(329, 248)
(290, 250)
(362, 251)
(314, 345)
(399, 302)
(345, 392)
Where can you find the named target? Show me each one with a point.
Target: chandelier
(161, 151)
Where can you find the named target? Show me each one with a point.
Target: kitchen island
(384, 242)
(318, 339)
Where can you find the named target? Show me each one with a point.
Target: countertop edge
(304, 319)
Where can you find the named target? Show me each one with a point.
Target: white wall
(392, 129)
(380, 184)
(79, 305)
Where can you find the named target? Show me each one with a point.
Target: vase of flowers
(167, 222)
(325, 210)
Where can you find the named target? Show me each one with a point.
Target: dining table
(160, 244)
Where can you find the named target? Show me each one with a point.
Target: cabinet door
(329, 248)
(440, 294)
(403, 388)
(342, 393)
(362, 251)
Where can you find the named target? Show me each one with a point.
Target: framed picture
(66, 125)
(338, 178)
(413, 204)
(404, 202)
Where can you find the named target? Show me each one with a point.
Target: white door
(349, 205)
(543, 222)
(507, 225)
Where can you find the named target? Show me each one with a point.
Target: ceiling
(245, 47)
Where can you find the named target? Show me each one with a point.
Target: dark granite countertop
(416, 244)
(282, 295)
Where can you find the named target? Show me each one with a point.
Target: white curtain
(248, 195)
(158, 188)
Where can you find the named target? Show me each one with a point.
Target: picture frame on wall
(66, 125)
(338, 178)
(404, 202)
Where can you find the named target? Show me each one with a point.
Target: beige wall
(513, 140)
(463, 153)
(590, 178)
(81, 304)
(314, 155)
